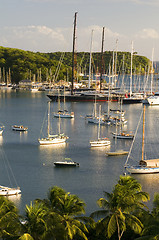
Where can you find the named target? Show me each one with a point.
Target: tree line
(122, 214)
(43, 66)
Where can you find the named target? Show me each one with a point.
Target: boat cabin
(150, 163)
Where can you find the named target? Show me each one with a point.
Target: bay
(33, 165)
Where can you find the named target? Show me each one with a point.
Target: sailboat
(122, 134)
(63, 113)
(144, 166)
(13, 188)
(133, 97)
(94, 118)
(52, 139)
(100, 142)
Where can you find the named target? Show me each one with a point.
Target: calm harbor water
(33, 165)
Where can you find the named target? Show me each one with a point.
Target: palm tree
(39, 222)
(151, 221)
(118, 208)
(10, 225)
(67, 207)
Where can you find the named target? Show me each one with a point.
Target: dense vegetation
(55, 66)
(123, 215)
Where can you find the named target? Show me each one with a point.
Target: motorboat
(7, 191)
(66, 163)
(154, 100)
(19, 128)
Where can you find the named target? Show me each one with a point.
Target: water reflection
(16, 199)
(52, 147)
(23, 136)
(1, 140)
(148, 183)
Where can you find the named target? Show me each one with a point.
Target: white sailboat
(9, 177)
(52, 139)
(122, 134)
(63, 113)
(94, 118)
(144, 166)
(133, 97)
(100, 142)
(116, 151)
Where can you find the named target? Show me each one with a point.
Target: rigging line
(133, 139)
(8, 168)
(59, 66)
(44, 120)
(59, 63)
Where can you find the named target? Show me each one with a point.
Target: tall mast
(101, 73)
(143, 133)
(131, 70)
(99, 121)
(116, 61)
(48, 125)
(152, 70)
(90, 61)
(73, 53)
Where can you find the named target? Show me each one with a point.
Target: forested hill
(26, 64)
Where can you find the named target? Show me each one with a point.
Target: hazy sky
(47, 25)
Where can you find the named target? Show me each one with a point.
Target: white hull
(5, 191)
(100, 143)
(48, 141)
(142, 170)
(153, 100)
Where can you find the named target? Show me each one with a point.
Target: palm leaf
(112, 226)
(26, 236)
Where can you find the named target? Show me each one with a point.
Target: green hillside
(30, 65)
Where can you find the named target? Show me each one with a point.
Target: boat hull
(19, 128)
(63, 115)
(153, 100)
(95, 120)
(117, 153)
(66, 164)
(120, 136)
(132, 100)
(82, 98)
(142, 170)
(48, 141)
(5, 191)
(100, 143)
